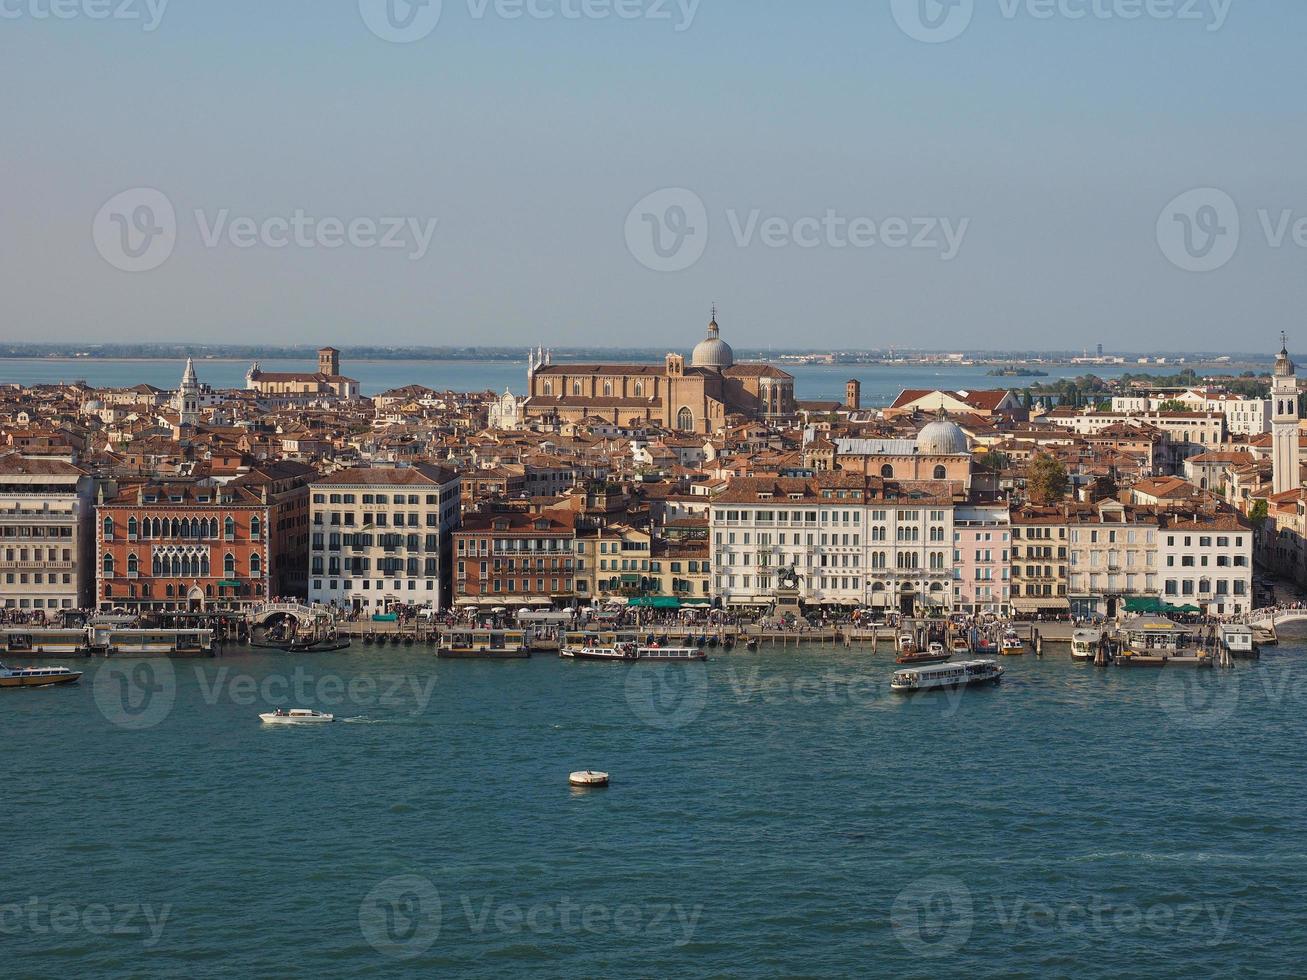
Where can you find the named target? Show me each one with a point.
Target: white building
(1207, 561)
(854, 541)
(46, 542)
(381, 538)
(1243, 416)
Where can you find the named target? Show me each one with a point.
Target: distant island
(1016, 372)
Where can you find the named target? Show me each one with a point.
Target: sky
(975, 174)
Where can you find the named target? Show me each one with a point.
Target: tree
(1259, 513)
(1046, 480)
(1174, 405)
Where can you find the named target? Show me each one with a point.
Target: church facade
(697, 397)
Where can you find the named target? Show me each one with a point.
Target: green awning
(229, 585)
(656, 602)
(1145, 604)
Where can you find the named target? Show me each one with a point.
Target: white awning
(1036, 603)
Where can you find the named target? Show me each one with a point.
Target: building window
(940, 473)
(229, 564)
(108, 529)
(108, 564)
(887, 471)
(685, 420)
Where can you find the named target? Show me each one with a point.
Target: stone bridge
(261, 614)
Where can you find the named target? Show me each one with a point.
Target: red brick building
(515, 559)
(184, 546)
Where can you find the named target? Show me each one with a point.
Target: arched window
(608, 389)
(639, 389)
(108, 529)
(176, 566)
(176, 528)
(549, 387)
(159, 530)
(940, 473)
(256, 564)
(887, 471)
(229, 564)
(108, 564)
(186, 529)
(155, 566)
(133, 565)
(685, 420)
(228, 527)
(256, 526)
(131, 526)
(204, 566)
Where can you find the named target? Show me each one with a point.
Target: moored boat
(296, 716)
(921, 659)
(1085, 644)
(946, 676)
(959, 644)
(484, 645)
(30, 641)
(1012, 645)
(37, 676)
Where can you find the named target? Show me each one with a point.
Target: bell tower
(188, 396)
(1284, 425)
(329, 362)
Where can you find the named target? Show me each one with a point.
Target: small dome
(1283, 365)
(942, 438)
(713, 352)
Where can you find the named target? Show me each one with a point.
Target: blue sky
(1048, 145)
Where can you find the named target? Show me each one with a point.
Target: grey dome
(713, 352)
(942, 438)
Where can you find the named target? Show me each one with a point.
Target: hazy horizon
(825, 173)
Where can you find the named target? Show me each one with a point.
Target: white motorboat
(296, 716)
(631, 653)
(1012, 645)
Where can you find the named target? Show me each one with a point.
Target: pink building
(981, 570)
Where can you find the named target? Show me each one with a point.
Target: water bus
(106, 640)
(37, 676)
(30, 641)
(1085, 644)
(632, 653)
(464, 644)
(947, 676)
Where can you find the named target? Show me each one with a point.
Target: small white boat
(935, 649)
(1012, 645)
(589, 779)
(907, 643)
(1084, 644)
(296, 716)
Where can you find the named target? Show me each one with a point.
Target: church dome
(942, 438)
(1283, 365)
(713, 352)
